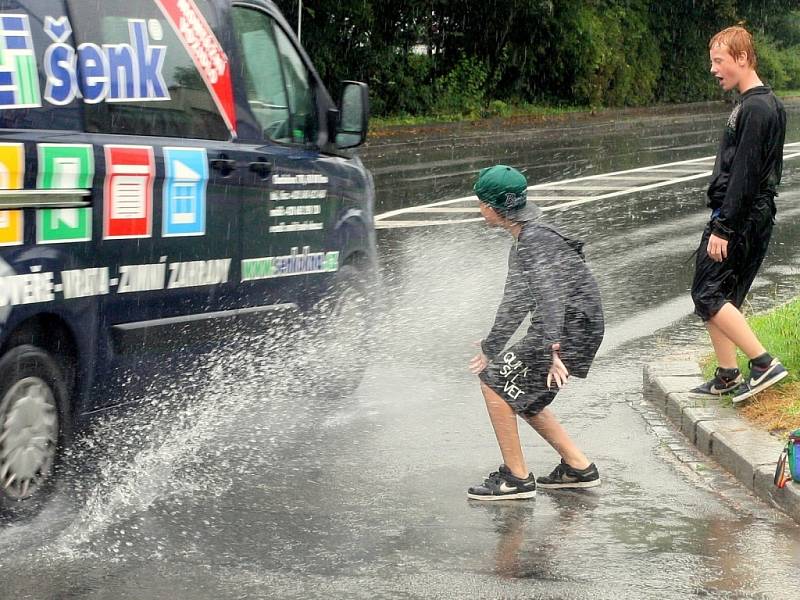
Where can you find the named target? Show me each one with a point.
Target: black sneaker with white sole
(564, 477)
(759, 380)
(724, 382)
(503, 485)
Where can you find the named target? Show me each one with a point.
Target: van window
(140, 78)
(23, 44)
(277, 81)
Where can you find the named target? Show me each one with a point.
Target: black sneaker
(724, 382)
(564, 476)
(503, 485)
(760, 379)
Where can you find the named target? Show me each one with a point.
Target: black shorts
(716, 283)
(520, 378)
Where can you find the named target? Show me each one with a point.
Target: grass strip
(776, 409)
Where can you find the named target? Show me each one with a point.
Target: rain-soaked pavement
(264, 489)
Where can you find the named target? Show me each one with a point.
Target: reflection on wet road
(262, 489)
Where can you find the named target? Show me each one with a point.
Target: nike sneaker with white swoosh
(503, 485)
(567, 477)
(760, 379)
(724, 382)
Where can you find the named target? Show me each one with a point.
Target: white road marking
(640, 188)
(553, 197)
(636, 177)
(403, 224)
(695, 168)
(590, 187)
(678, 170)
(449, 209)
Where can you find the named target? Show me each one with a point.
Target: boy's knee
(706, 307)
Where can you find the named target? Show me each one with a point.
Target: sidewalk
(748, 453)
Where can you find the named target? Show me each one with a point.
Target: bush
(771, 64)
(404, 85)
(462, 90)
(614, 57)
(496, 108)
(791, 65)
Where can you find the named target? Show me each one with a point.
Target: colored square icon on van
(19, 85)
(128, 192)
(184, 193)
(59, 225)
(65, 166)
(12, 166)
(11, 230)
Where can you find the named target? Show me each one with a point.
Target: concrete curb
(748, 453)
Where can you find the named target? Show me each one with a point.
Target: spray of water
(172, 446)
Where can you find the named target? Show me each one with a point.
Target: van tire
(344, 329)
(35, 427)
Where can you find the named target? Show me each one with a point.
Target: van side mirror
(351, 130)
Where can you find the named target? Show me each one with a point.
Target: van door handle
(223, 164)
(261, 167)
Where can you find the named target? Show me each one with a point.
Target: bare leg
(724, 348)
(504, 421)
(547, 425)
(733, 325)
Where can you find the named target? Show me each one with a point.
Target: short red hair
(737, 39)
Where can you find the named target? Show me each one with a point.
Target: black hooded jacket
(749, 160)
(548, 278)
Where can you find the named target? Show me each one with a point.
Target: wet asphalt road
(258, 491)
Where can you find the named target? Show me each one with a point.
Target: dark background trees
(473, 57)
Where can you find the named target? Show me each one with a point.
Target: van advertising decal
(122, 72)
(208, 55)
(128, 192)
(12, 166)
(298, 217)
(111, 72)
(43, 286)
(60, 225)
(184, 193)
(12, 173)
(11, 222)
(295, 263)
(19, 78)
(64, 167)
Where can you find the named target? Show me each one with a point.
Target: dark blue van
(167, 168)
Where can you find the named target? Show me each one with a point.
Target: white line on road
(404, 224)
(449, 209)
(692, 168)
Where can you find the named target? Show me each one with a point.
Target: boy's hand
(479, 362)
(717, 248)
(558, 371)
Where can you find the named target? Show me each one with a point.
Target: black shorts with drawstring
(716, 283)
(519, 376)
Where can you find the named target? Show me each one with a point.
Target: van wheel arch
(52, 335)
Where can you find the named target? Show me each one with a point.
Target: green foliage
(778, 64)
(771, 67)
(462, 90)
(608, 53)
(564, 52)
(787, 28)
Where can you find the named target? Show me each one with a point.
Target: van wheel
(344, 328)
(34, 425)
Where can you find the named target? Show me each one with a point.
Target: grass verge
(495, 109)
(776, 409)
